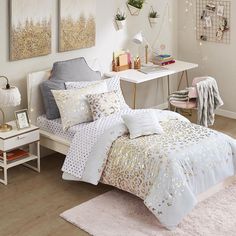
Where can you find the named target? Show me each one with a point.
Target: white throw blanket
(208, 101)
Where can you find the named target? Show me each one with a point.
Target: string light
(188, 5)
(189, 9)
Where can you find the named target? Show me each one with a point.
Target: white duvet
(182, 172)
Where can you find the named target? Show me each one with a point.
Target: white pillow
(143, 123)
(73, 105)
(113, 84)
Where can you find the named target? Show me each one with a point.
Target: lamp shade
(138, 38)
(10, 97)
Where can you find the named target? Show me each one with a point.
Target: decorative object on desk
(135, 6)
(77, 26)
(140, 39)
(120, 19)
(9, 97)
(213, 21)
(22, 119)
(30, 28)
(153, 16)
(163, 60)
(137, 63)
(121, 61)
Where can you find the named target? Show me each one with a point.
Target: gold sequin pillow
(73, 105)
(104, 104)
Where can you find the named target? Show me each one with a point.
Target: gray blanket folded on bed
(208, 101)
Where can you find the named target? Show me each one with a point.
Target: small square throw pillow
(73, 105)
(143, 123)
(104, 104)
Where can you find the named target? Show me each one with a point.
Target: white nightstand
(17, 139)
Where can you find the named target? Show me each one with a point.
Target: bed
(49, 140)
(191, 164)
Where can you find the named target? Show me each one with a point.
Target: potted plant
(153, 16)
(120, 19)
(135, 6)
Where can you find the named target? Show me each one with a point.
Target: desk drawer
(20, 140)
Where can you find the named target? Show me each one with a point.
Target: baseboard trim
(225, 113)
(220, 112)
(162, 106)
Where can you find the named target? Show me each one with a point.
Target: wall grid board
(210, 32)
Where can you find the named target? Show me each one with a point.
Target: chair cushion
(192, 104)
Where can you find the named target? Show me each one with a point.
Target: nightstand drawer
(19, 140)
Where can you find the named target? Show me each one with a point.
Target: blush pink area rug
(117, 213)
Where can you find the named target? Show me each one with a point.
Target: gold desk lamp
(9, 97)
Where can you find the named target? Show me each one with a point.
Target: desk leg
(168, 84)
(184, 73)
(134, 96)
(186, 76)
(181, 78)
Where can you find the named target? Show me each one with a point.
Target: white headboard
(35, 102)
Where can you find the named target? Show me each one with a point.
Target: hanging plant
(153, 16)
(120, 19)
(135, 6)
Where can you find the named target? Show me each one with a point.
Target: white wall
(217, 60)
(108, 40)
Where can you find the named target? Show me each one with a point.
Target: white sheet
(55, 127)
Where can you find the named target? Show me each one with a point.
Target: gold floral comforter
(168, 171)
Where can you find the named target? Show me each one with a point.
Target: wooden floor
(31, 203)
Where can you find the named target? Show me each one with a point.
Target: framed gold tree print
(30, 28)
(77, 26)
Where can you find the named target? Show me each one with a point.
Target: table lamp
(140, 39)
(9, 97)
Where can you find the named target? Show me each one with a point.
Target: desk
(136, 77)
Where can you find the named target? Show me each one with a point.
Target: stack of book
(14, 155)
(163, 60)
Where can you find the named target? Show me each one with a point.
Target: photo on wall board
(77, 24)
(30, 28)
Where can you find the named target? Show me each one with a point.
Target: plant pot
(153, 20)
(134, 11)
(120, 23)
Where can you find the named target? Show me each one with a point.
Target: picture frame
(22, 119)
